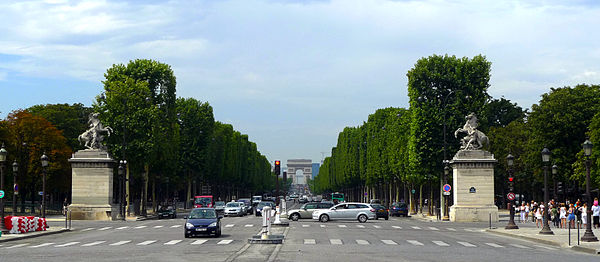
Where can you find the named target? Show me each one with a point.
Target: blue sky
(292, 74)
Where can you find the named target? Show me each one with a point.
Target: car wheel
(387, 218)
(362, 218)
(376, 218)
(324, 218)
(186, 235)
(295, 216)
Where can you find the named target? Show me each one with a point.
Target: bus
(337, 197)
(203, 201)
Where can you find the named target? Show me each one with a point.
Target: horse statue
(473, 138)
(93, 138)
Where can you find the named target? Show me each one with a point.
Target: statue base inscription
(92, 185)
(473, 187)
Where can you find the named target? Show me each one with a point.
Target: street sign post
(511, 196)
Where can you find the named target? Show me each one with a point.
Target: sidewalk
(559, 239)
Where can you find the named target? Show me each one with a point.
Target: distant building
(300, 170)
(315, 169)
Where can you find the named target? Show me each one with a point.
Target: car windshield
(263, 204)
(203, 214)
(378, 206)
(203, 201)
(219, 203)
(233, 204)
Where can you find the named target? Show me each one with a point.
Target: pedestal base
(88, 212)
(473, 214)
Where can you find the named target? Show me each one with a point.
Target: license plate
(200, 229)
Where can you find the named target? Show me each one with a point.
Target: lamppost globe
(554, 169)
(15, 167)
(3, 154)
(546, 155)
(587, 147)
(446, 170)
(121, 169)
(44, 159)
(510, 160)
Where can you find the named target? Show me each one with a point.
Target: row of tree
(168, 142)
(398, 153)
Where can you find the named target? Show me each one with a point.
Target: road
(398, 239)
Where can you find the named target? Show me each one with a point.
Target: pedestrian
(534, 209)
(555, 218)
(538, 217)
(563, 216)
(583, 212)
(522, 210)
(65, 206)
(527, 212)
(571, 217)
(596, 213)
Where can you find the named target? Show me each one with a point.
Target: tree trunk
(144, 198)
(411, 200)
(430, 202)
(189, 194)
(421, 198)
(154, 195)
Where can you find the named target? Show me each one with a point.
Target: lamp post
(15, 168)
(588, 236)
(546, 159)
(3, 154)
(446, 173)
(44, 159)
(121, 174)
(554, 173)
(510, 159)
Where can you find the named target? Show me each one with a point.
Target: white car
(234, 209)
(346, 211)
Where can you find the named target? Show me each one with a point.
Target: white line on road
(362, 242)
(158, 226)
(173, 242)
(322, 225)
(416, 227)
(138, 227)
(389, 242)
(342, 226)
(305, 225)
(433, 228)
(249, 225)
(549, 248)
(224, 242)
(451, 229)
(175, 226)
(41, 245)
(415, 242)
(120, 243)
(119, 228)
(199, 242)
(466, 244)
(440, 243)
(493, 245)
(87, 229)
(519, 246)
(309, 241)
(147, 242)
(104, 228)
(397, 227)
(376, 226)
(335, 241)
(18, 245)
(360, 226)
(67, 244)
(230, 225)
(93, 244)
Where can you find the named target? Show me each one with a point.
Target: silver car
(234, 209)
(306, 210)
(346, 211)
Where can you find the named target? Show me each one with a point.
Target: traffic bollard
(569, 226)
(266, 212)
(578, 225)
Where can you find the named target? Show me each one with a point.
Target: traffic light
(510, 183)
(559, 187)
(277, 168)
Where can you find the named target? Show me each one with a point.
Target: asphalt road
(398, 239)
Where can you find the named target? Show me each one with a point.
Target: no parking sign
(1, 193)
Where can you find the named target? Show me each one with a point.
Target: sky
(292, 74)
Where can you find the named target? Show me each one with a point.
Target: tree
(500, 113)
(72, 120)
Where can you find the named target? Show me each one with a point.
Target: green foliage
(71, 119)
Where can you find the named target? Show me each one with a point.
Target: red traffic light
(277, 162)
(510, 179)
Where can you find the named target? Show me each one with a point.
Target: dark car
(399, 209)
(261, 205)
(380, 211)
(167, 211)
(202, 221)
(247, 204)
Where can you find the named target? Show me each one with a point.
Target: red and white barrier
(18, 224)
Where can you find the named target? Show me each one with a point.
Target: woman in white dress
(538, 216)
(522, 209)
(583, 211)
(563, 216)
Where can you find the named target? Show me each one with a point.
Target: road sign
(1, 194)
(511, 196)
(446, 193)
(41, 193)
(16, 188)
(447, 188)
(413, 191)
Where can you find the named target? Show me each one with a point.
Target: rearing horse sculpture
(473, 139)
(92, 138)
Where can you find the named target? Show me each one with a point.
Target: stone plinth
(92, 185)
(473, 186)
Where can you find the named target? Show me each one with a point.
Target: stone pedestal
(92, 185)
(473, 187)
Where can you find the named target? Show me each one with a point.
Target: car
(261, 205)
(256, 200)
(399, 209)
(202, 221)
(306, 210)
(375, 201)
(220, 207)
(234, 209)
(346, 211)
(247, 205)
(302, 200)
(381, 211)
(167, 211)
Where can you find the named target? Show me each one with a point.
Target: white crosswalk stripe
(335, 241)
(415, 242)
(230, 225)
(440, 243)
(145, 243)
(416, 227)
(360, 226)
(158, 226)
(451, 229)
(42, 245)
(172, 242)
(545, 247)
(119, 228)
(309, 241)
(362, 242)
(519, 246)
(138, 227)
(120, 243)
(67, 244)
(397, 227)
(249, 225)
(88, 229)
(466, 244)
(225, 242)
(104, 228)
(323, 226)
(433, 228)
(17, 245)
(389, 242)
(376, 226)
(493, 245)
(342, 226)
(199, 242)
(93, 243)
(305, 225)
(175, 226)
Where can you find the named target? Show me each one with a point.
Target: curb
(63, 230)
(547, 242)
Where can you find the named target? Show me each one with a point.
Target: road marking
(397, 227)
(199, 242)
(138, 227)
(466, 244)
(87, 229)
(433, 228)
(172, 242)
(18, 245)
(440, 243)
(362, 242)
(519, 246)
(119, 228)
(249, 225)
(416, 227)
(67, 244)
(549, 248)
(322, 225)
(104, 228)
(230, 225)
(41, 245)
(93, 244)
(493, 245)
(225, 242)
(376, 226)
(305, 225)
(175, 226)
(451, 229)
(120, 243)
(360, 226)
(309, 241)
(147, 242)
(389, 242)
(415, 242)
(342, 226)
(335, 241)
(158, 226)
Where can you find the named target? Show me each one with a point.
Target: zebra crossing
(413, 242)
(365, 226)
(121, 243)
(108, 228)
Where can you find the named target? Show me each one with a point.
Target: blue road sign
(1, 193)
(446, 188)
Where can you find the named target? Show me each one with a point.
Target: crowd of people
(562, 215)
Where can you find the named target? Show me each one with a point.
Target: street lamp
(15, 168)
(545, 159)
(510, 160)
(3, 154)
(446, 173)
(554, 173)
(588, 236)
(44, 160)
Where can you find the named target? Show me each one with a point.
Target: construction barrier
(22, 224)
